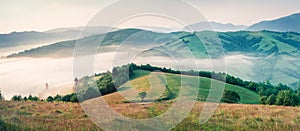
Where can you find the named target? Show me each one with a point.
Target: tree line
(269, 94)
(58, 98)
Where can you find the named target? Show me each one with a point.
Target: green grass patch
(174, 84)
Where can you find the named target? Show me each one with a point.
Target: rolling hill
(144, 81)
(262, 43)
(284, 24)
(269, 55)
(71, 116)
(42, 115)
(259, 44)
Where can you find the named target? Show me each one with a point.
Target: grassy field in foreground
(70, 116)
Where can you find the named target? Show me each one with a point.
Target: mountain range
(267, 55)
(214, 26)
(270, 55)
(260, 43)
(58, 34)
(285, 24)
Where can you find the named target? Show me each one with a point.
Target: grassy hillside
(70, 116)
(273, 55)
(144, 81)
(200, 44)
(211, 44)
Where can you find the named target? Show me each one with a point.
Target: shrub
(287, 98)
(50, 99)
(230, 97)
(74, 98)
(263, 99)
(271, 100)
(16, 98)
(142, 95)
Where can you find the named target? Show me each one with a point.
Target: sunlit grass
(70, 116)
(143, 82)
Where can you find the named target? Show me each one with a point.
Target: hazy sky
(40, 15)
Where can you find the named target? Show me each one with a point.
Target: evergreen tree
(57, 98)
(50, 99)
(25, 98)
(30, 97)
(17, 98)
(1, 96)
(35, 98)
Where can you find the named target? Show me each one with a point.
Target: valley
(198, 75)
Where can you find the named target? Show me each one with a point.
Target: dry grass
(45, 116)
(246, 117)
(70, 116)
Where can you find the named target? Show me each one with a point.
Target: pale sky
(41, 15)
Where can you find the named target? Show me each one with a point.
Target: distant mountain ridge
(289, 23)
(285, 24)
(214, 26)
(33, 37)
(59, 34)
(159, 29)
(262, 43)
(137, 37)
(86, 29)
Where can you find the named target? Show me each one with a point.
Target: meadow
(70, 116)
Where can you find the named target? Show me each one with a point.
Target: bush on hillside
(230, 97)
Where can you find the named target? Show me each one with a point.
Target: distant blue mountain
(50, 36)
(285, 24)
(214, 26)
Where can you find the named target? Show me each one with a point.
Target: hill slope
(265, 55)
(263, 43)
